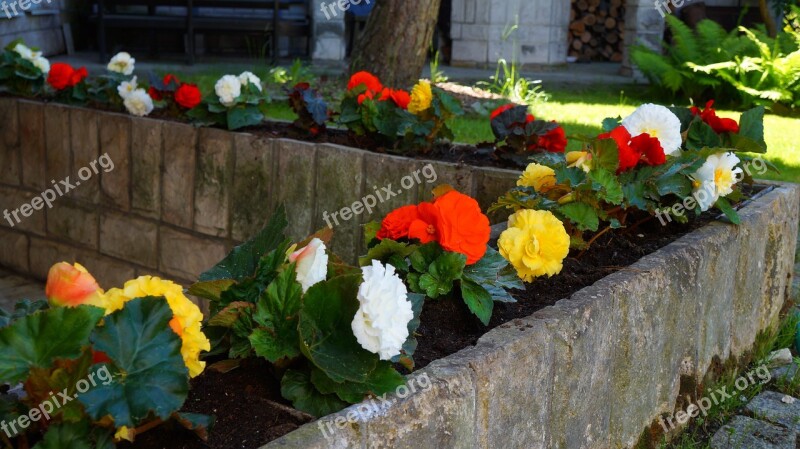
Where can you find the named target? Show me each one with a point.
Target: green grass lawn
(581, 110)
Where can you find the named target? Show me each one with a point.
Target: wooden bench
(276, 18)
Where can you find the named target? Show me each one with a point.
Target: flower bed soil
(244, 400)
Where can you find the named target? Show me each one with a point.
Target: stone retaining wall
(594, 370)
(180, 197)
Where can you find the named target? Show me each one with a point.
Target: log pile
(596, 30)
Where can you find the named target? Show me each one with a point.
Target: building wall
(478, 28)
(40, 26)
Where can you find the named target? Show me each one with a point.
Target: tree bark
(395, 41)
(769, 21)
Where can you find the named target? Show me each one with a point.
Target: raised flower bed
(589, 363)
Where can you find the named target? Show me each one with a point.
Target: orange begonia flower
(463, 228)
(396, 225)
(71, 286)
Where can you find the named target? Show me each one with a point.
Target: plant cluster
(91, 368)
(518, 134)
(745, 65)
(650, 161)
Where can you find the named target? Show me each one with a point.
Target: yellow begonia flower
(124, 433)
(535, 243)
(540, 177)
(186, 321)
(580, 159)
(421, 98)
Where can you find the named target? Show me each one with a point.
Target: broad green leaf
(196, 422)
(723, 205)
(478, 300)
(296, 386)
(244, 116)
(370, 230)
(445, 270)
(751, 125)
(684, 115)
(570, 175)
(149, 375)
(211, 290)
(424, 255)
(746, 144)
(610, 123)
(583, 215)
(492, 273)
(384, 250)
(63, 376)
(383, 379)
(228, 316)
(676, 184)
(21, 308)
(242, 261)
(606, 155)
(326, 335)
(277, 313)
(75, 436)
(700, 136)
(406, 358)
(607, 186)
(37, 340)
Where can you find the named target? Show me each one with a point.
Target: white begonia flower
(249, 77)
(658, 122)
(312, 263)
(228, 88)
(125, 88)
(25, 52)
(381, 322)
(139, 103)
(715, 179)
(122, 63)
(41, 63)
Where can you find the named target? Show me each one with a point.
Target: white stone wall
(329, 41)
(478, 27)
(40, 27)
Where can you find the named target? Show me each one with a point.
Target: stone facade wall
(478, 27)
(596, 369)
(179, 197)
(39, 27)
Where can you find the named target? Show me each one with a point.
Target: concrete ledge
(596, 369)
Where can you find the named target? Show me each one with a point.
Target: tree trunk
(395, 42)
(769, 21)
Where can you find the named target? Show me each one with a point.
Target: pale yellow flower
(540, 177)
(535, 243)
(421, 98)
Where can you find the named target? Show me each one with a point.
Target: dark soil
(247, 402)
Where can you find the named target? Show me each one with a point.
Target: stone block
(115, 141)
(13, 200)
(254, 181)
(339, 187)
(129, 238)
(299, 159)
(109, 272)
(32, 145)
(523, 348)
(14, 251)
(744, 432)
(146, 164)
(57, 142)
(9, 142)
(45, 253)
(67, 220)
(384, 180)
(187, 256)
(777, 408)
(179, 170)
(85, 150)
(213, 181)
(470, 51)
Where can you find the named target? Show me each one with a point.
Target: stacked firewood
(596, 30)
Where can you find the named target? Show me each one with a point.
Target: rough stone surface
(179, 171)
(14, 288)
(75, 223)
(45, 253)
(784, 373)
(185, 255)
(340, 183)
(85, 150)
(32, 144)
(769, 407)
(9, 142)
(213, 181)
(129, 239)
(57, 143)
(383, 177)
(146, 164)
(299, 159)
(254, 181)
(491, 183)
(14, 251)
(12, 200)
(743, 432)
(779, 358)
(115, 140)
